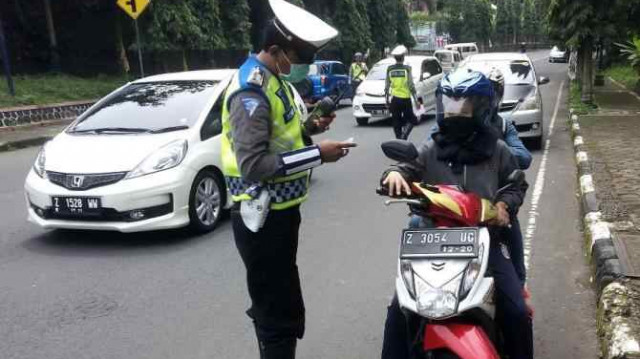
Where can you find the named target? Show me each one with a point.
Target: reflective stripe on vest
(399, 83)
(286, 135)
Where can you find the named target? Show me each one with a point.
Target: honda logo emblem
(77, 181)
(437, 266)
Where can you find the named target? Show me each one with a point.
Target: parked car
(369, 102)
(522, 102)
(329, 78)
(465, 49)
(558, 55)
(449, 59)
(145, 157)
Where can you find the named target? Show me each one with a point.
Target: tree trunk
(53, 42)
(579, 63)
(123, 61)
(586, 81)
(185, 65)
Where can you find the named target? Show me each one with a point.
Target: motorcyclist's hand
(332, 151)
(396, 184)
(502, 219)
(322, 123)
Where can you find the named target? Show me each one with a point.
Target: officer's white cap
(400, 50)
(294, 22)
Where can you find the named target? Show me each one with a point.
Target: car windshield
(378, 72)
(149, 107)
(516, 72)
(444, 56)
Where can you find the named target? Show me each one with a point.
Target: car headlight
(530, 103)
(38, 165)
(164, 158)
(471, 273)
(437, 303)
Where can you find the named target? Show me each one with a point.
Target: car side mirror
(426, 75)
(400, 150)
(543, 80)
(516, 177)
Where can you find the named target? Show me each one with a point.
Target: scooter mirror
(399, 150)
(516, 177)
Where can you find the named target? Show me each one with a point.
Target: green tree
(582, 24)
(531, 21)
(353, 27)
(403, 29)
(235, 24)
(381, 26)
(179, 25)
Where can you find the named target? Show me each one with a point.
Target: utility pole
(5, 60)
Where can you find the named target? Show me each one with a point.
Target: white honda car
(145, 157)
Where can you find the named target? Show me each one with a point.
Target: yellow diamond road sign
(133, 7)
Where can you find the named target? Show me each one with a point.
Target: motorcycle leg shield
(466, 341)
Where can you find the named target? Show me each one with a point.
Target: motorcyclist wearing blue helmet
(509, 134)
(466, 151)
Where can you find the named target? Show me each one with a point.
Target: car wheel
(206, 201)
(362, 121)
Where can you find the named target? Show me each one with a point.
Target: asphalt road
(169, 295)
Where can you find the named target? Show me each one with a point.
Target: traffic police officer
(266, 166)
(358, 70)
(399, 85)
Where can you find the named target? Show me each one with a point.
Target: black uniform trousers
(269, 256)
(402, 117)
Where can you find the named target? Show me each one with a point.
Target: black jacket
(483, 178)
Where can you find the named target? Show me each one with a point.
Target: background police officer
(358, 71)
(399, 86)
(263, 150)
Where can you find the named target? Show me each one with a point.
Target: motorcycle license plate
(81, 206)
(440, 243)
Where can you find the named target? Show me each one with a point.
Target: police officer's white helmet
(399, 50)
(304, 31)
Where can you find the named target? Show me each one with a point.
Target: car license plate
(380, 112)
(77, 205)
(440, 242)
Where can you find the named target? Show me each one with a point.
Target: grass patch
(624, 74)
(575, 103)
(54, 88)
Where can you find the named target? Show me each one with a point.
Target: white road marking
(539, 186)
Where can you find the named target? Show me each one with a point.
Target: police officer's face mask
(297, 72)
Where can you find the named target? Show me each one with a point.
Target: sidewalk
(26, 136)
(610, 138)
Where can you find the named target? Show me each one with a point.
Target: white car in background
(465, 49)
(369, 102)
(145, 157)
(449, 59)
(558, 55)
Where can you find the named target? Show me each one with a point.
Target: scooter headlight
(471, 273)
(437, 303)
(407, 277)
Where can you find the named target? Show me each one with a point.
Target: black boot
(283, 349)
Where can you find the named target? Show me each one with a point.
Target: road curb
(618, 338)
(30, 142)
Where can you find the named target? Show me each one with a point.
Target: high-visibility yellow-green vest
(399, 82)
(286, 135)
(357, 72)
